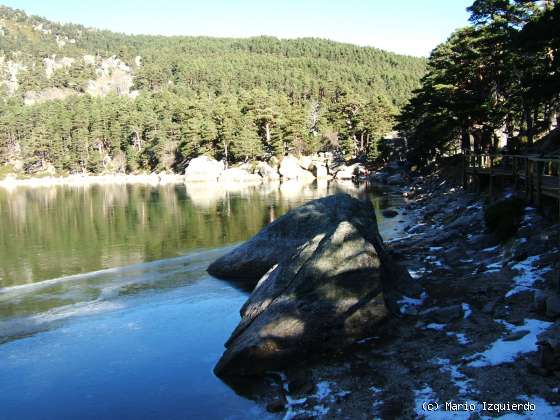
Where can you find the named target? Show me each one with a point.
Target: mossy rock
(503, 217)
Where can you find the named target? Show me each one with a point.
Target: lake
(106, 309)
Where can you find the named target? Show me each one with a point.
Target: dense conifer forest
(492, 85)
(233, 99)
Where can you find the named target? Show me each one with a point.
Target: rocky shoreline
(205, 170)
(484, 331)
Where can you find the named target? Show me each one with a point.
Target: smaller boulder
(267, 172)
(349, 172)
(503, 217)
(539, 301)
(239, 175)
(549, 348)
(443, 315)
(553, 306)
(203, 169)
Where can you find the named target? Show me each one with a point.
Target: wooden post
(538, 198)
(515, 178)
(475, 173)
(558, 177)
(491, 178)
(527, 181)
(464, 170)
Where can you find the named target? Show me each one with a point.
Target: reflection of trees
(50, 232)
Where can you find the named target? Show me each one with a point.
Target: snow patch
(407, 303)
(529, 274)
(507, 351)
(467, 311)
(461, 338)
(435, 326)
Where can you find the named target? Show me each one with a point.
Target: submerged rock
(326, 281)
(390, 213)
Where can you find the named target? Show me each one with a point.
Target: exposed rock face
(326, 276)
(290, 168)
(203, 169)
(49, 94)
(238, 175)
(52, 64)
(113, 75)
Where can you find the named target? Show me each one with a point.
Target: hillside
(77, 99)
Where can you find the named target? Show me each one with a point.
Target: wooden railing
(539, 175)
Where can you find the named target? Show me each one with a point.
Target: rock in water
(267, 171)
(325, 284)
(203, 169)
(239, 175)
(390, 213)
(280, 239)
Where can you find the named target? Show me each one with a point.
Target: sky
(411, 27)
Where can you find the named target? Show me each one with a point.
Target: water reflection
(116, 277)
(57, 231)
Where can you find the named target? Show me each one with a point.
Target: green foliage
(500, 75)
(233, 99)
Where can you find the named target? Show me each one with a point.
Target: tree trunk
(226, 153)
(362, 142)
(528, 125)
(465, 139)
(267, 132)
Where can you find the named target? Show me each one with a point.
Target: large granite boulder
(325, 279)
(203, 169)
(290, 168)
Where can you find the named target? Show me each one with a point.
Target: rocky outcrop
(239, 175)
(203, 169)
(113, 76)
(324, 281)
(290, 168)
(36, 97)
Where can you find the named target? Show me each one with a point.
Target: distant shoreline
(86, 180)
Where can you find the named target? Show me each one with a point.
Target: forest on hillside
(233, 99)
(492, 85)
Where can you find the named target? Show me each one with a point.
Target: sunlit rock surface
(324, 274)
